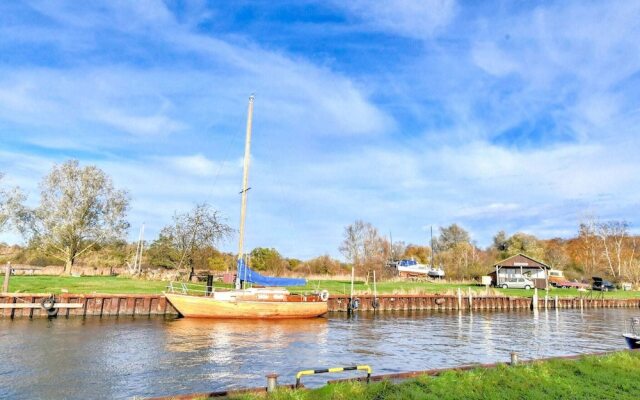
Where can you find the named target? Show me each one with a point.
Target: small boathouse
(521, 265)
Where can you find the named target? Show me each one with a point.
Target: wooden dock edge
(156, 304)
(101, 305)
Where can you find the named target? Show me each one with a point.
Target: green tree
(521, 243)
(79, 209)
(190, 235)
(265, 259)
(322, 265)
(10, 204)
(452, 236)
(163, 253)
(219, 261)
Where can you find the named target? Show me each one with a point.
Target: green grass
(344, 287)
(591, 377)
(85, 284)
(110, 284)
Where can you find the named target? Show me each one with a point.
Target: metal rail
(189, 288)
(302, 373)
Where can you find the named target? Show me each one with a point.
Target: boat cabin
(521, 265)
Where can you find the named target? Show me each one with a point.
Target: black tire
(375, 303)
(48, 303)
(355, 304)
(52, 313)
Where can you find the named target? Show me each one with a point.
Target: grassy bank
(85, 284)
(110, 284)
(591, 377)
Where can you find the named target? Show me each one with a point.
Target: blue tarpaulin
(248, 275)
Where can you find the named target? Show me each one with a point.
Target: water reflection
(121, 358)
(192, 335)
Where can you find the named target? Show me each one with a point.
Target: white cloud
(147, 125)
(418, 19)
(196, 164)
(326, 152)
(492, 59)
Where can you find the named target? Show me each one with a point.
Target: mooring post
(555, 303)
(546, 300)
(470, 298)
(514, 358)
(272, 382)
(209, 285)
(459, 299)
(534, 300)
(7, 275)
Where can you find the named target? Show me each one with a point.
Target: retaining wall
(466, 302)
(146, 305)
(92, 305)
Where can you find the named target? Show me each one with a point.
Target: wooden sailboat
(243, 302)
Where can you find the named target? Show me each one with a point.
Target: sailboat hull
(208, 307)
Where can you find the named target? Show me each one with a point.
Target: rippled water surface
(122, 358)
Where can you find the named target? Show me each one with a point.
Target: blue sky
(520, 116)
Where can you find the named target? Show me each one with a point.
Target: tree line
(81, 218)
(600, 248)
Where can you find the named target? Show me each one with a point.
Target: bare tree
(194, 231)
(590, 245)
(555, 254)
(79, 208)
(613, 234)
(363, 246)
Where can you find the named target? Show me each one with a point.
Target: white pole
(7, 275)
(353, 274)
(141, 249)
(375, 290)
(245, 182)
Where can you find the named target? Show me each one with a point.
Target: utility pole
(139, 250)
(432, 250)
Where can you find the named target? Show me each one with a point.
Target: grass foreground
(613, 376)
(124, 285)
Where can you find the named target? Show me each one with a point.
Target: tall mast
(432, 249)
(245, 177)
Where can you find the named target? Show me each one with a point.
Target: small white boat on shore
(410, 268)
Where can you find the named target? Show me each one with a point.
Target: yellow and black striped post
(300, 374)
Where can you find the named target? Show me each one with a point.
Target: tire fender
(48, 303)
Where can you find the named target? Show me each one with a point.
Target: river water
(117, 358)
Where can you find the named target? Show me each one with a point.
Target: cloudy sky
(520, 116)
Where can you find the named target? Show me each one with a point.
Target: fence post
(7, 275)
(514, 358)
(272, 382)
